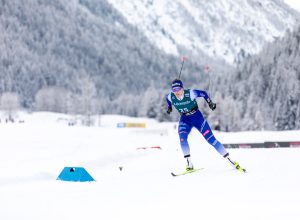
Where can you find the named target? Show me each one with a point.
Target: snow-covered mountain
(295, 4)
(225, 28)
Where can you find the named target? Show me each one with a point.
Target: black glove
(212, 105)
(169, 110)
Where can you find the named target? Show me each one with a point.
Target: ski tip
(186, 172)
(242, 170)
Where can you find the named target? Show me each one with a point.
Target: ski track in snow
(34, 153)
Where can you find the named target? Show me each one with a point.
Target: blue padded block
(75, 174)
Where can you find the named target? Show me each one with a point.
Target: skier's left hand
(212, 105)
(169, 110)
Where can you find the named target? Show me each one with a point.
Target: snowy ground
(35, 152)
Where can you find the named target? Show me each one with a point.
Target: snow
(34, 153)
(295, 4)
(216, 28)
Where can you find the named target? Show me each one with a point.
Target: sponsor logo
(176, 84)
(205, 132)
(244, 146)
(294, 144)
(182, 103)
(271, 145)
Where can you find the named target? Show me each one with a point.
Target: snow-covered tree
(9, 102)
(53, 99)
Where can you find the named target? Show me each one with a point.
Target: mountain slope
(227, 29)
(266, 89)
(85, 57)
(55, 43)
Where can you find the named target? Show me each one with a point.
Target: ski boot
(189, 166)
(234, 164)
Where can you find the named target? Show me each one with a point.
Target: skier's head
(177, 85)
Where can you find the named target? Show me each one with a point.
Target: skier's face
(178, 93)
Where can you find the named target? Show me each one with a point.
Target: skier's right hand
(169, 110)
(212, 105)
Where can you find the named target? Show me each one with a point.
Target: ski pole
(207, 70)
(182, 62)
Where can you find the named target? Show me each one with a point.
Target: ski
(186, 172)
(236, 165)
(239, 168)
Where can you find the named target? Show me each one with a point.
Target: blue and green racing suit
(192, 117)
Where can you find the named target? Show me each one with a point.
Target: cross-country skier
(184, 100)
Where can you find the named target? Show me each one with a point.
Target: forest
(88, 60)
